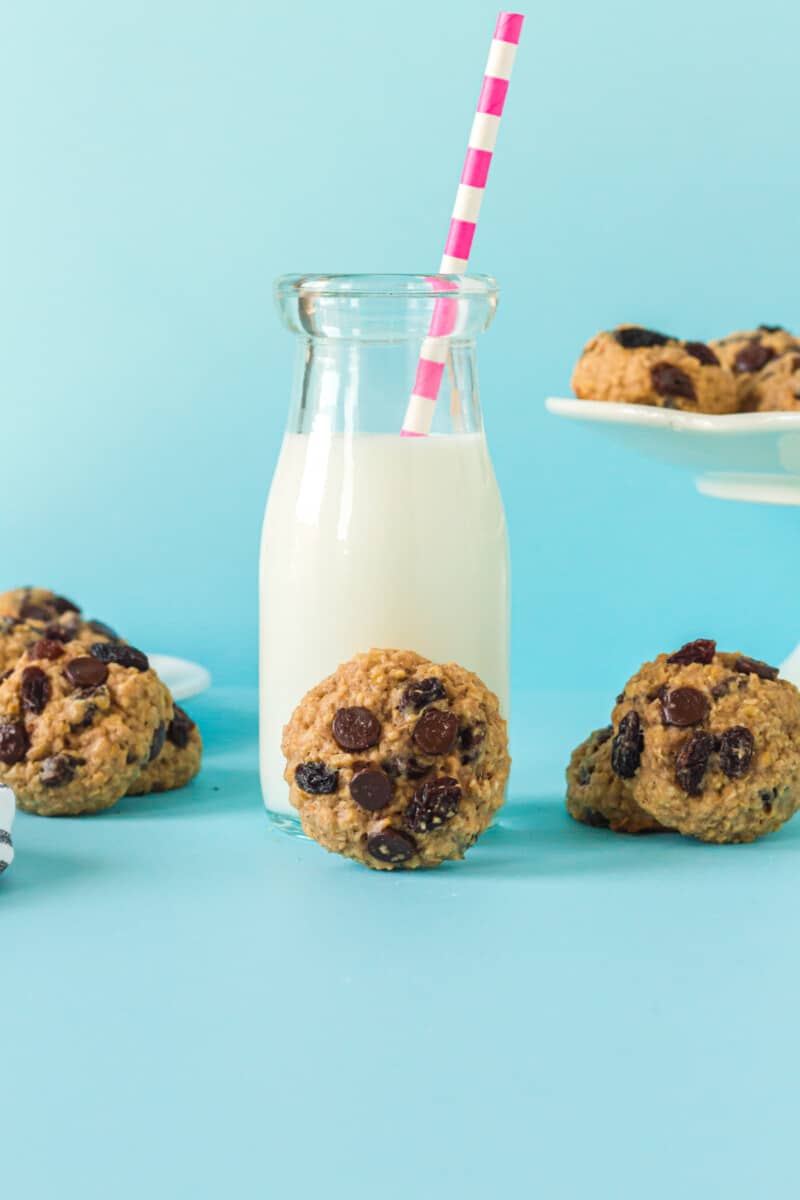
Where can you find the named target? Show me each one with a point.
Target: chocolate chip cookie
(176, 756)
(396, 761)
(78, 724)
(710, 743)
(747, 353)
(597, 796)
(630, 365)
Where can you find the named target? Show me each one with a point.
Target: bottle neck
(348, 386)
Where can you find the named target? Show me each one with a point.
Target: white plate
(7, 809)
(744, 456)
(183, 678)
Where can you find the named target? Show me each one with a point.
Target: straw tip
(509, 27)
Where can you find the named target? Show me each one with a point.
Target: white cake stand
(745, 456)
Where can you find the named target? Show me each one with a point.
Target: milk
(376, 540)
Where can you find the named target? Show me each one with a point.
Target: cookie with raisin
(78, 725)
(396, 761)
(630, 365)
(777, 387)
(748, 353)
(175, 757)
(710, 743)
(597, 796)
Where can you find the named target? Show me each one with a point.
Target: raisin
(35, 690)
(436, 731)
(124, 656)
(633, 337)
(180, 727)
(752, 357)
(371, 788)
(86, 672)
(46, 648)
(391, 846)
(703, 353)
(59, 633)
(421, 693)
(627, 746)
(736, 751)
(315, 779)
(433, 804)
(34, 612)
(753, 666)
(670, 381)
(157, 744)
(684, 706)
(356, 728)
(59, 770)
(62, 605)
(772, 328)
(701, 650)
(692, 761)
(13, 742)
(470, 742)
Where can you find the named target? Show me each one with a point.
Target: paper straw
(482, 138)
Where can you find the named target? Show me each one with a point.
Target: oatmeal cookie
(710, 743)
(35, 604)
(747, 353)
(630, 365)
(18, 635)
(175, 762)
(597, 796)
(397, 761)
(78, 724)
(777, 387)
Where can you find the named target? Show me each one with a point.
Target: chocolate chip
(703, 353)
(46, 648)
(470, 742)
(752, 357)
(400, 766)
(34, 691)
(62, 605)
(626, 749)
(157, 744)
(59, 770)
(436, 731)
(315, 779)
(736, 751)
(86, 672)
(692, 762)
(180, 727)
(371, 789)
(701, 650)
(356, 728)
(13, 742)
(684, 706)
(636, 338)
(670, 381)
(59, 633)
(421, 693)
(772, 328)
(34, 612)
(99, 627)
(391, 846)
(124, 656)
(753, 666)
(433, 804)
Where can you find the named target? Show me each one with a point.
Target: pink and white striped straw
(482, 138)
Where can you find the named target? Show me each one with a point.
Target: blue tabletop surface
(201, 1005)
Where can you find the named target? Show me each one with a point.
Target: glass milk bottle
(371, 539)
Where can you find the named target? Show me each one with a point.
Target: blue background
(200, 1007)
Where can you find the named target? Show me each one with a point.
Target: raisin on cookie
(396, 761)
(629, 365)
(746, 354)
(710, 743)
(175, 757)
(597, 796)
(777, 387)
(77, 727)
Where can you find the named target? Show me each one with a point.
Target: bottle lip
(401, 287)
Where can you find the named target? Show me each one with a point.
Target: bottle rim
(382, 287)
